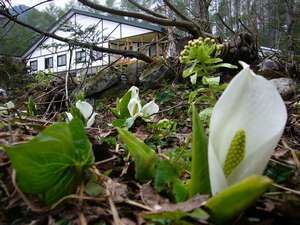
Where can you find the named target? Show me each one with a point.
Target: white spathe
(193, 79)
(86, 110)
(252, 103)
(150, 108)
(136, 109)
(134, 92)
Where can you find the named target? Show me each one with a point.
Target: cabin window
(33, 65)
(48, 62)
(62, 60)
(80, 57)
(152, 50)
(96, 55)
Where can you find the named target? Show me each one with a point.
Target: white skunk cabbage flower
(86, 110)
(245, 127)
(136, 110)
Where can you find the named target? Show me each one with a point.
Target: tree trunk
(202, 15)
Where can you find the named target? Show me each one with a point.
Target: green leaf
(144, 157)
(180, 191)
(77, 114)
(230, 203)
(92, 188)
(166, 173)
(166, 215)
(122, 106)
(119, 123)
(200, 183)
(199, 214)
(52, 164)
(225, 65)
(211, 81)
(213, 60)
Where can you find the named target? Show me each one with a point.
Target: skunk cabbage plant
(245, 127)
(85, 111)
(129, 107)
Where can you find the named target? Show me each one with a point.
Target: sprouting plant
(129, 108)
(52, 164)
(207, 96)
(163, 128)
(202, 57)
(43, 78)
(83, 111)
(31, 107)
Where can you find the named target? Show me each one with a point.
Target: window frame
(31, 63)
(76, 56)
(49, 67)
(63, 55)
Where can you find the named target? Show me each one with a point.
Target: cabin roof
(72, 12)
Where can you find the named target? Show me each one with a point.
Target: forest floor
(129, 200)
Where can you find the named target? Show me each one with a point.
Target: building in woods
(48, 54)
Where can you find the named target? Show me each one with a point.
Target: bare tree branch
(176, 11)
(30, 8)
(183, 25)
(125, 53)
(225, 24)
(150, 12)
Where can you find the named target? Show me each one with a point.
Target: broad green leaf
(144, 157)
(230, 203)
(200, 183)
(166, 173)
(52, 164)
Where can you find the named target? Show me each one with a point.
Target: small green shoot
(31, 107)
(200, 183)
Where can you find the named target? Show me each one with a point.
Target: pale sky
(60, 3)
